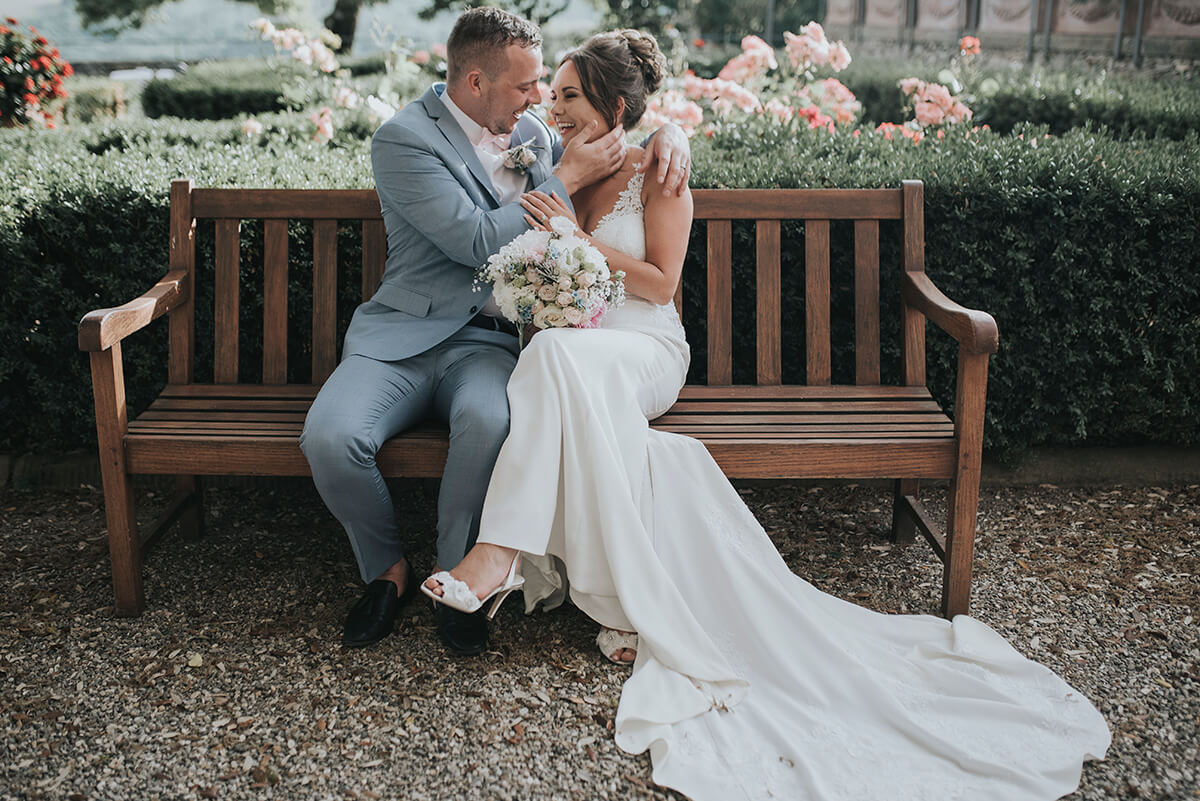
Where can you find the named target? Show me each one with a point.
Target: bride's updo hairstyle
(625, 64)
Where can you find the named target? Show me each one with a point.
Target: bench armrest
(101, 329)
(974, 330)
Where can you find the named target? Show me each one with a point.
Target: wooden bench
(768, 429)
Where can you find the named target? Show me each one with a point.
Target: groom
(427, 344)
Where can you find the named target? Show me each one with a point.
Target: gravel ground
(233, 684)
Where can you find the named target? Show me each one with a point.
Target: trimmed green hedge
(91, 99)
(216, 91)
(1085, 249)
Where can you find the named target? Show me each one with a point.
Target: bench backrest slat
(816, 301)
(866, 302)
(324, 311)
(767, 298)
(912, 322)
(374, 255)
(182, 331)
(721, 212)
(720, 303)
(275, 284)
(226, 291)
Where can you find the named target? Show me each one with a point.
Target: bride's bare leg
(484, 568)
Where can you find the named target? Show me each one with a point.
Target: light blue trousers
(460, 382)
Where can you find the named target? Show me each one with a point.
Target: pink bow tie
(496, 143)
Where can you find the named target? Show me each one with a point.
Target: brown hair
(624, 64)
(478, 40)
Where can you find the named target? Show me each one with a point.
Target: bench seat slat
(425, 456)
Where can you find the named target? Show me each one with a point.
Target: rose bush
(31, 77)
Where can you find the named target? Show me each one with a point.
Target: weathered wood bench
(768, 429)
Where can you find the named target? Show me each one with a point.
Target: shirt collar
(472, 129)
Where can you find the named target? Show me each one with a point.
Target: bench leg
(963, 504)
(191, 520)
(124, 545)
(904, 527)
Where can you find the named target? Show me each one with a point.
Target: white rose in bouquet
(553, 279)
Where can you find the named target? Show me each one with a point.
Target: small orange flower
(969, 45)
(698, 42)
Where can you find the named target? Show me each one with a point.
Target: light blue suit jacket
(443, 220)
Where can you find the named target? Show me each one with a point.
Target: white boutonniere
(520, 157)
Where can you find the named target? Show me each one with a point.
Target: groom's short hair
(479, 38)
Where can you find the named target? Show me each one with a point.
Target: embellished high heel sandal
(458, 594)
(612, 642)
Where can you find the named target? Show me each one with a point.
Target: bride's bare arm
(668, 224)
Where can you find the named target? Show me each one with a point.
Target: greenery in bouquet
(31, 75)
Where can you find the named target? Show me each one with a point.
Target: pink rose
(928, 113)
(910, 85)
(565, 299)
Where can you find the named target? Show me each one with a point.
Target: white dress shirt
(509, 183)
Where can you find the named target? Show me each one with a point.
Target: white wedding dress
(749, 683)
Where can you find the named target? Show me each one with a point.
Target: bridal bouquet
(553, 279)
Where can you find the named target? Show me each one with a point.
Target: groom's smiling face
(504, 98)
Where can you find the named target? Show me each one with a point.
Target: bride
(748, 682)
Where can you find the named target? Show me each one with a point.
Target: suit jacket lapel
(458, 140)
(526, 130)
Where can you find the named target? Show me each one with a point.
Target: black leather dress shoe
(463, 634)
(373, 615)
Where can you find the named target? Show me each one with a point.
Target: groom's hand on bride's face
(586, 160)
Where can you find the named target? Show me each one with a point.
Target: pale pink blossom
(421, 57)
(936, 93)
(574, 315)
(345, 97)
(252, 127)
(911, 85)
(928, 113)
(564, 299)
(439, 50)
(323, 119)
(264, 27)
(839, 57)
(781, 111)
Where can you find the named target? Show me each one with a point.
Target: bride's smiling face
(571, 109)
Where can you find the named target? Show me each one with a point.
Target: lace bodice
(624, 228)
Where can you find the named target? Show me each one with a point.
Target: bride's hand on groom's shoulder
(585, 162)
(668, 149)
